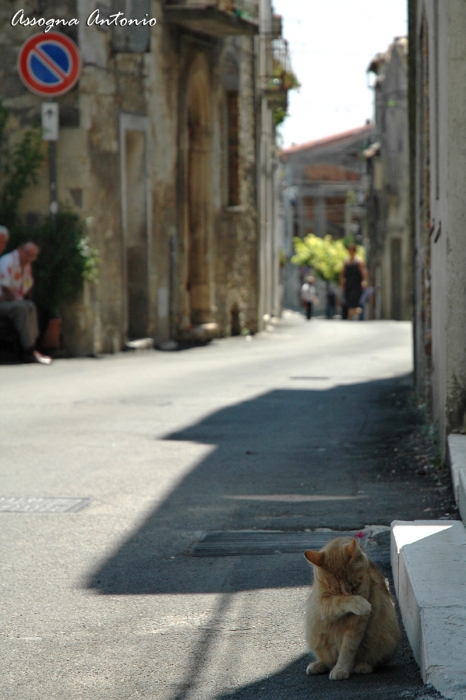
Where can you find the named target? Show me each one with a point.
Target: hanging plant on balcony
(283, 80)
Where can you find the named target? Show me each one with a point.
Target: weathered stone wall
(449, 270)
(440, 249)
(237, 240)
(143, 96)
(391, 248)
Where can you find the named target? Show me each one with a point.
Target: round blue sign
(49, 64)
(53, 70)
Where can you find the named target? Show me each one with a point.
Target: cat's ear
(351, 547)
(316, 558)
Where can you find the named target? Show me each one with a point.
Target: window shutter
(131, 38)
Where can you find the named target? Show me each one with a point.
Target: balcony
(281, 78)
(217, 18)
(277, 26)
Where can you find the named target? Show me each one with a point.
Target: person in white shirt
(16, 282)
(308, 296)
(3, 238)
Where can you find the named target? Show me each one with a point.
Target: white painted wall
(447, 96)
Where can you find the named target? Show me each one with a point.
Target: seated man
(3, 238)
(15, 285)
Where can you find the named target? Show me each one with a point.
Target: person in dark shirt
(353, 279)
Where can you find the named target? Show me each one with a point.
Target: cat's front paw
(359, 605)
(316, 667)
(339, 674)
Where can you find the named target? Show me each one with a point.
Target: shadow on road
(286, 460)
(292, 682)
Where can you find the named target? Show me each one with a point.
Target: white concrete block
(410, 611)
(438, 574)
(461, 501)
(410, 532)
(429, 569)
(457, 458)
(444, 650)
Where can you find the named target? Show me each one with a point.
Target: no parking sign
(49, 64)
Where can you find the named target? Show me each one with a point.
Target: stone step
(429, 572)
(457, 458)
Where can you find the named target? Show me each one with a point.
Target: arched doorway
(198, 199)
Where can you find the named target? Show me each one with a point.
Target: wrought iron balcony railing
(280, 78)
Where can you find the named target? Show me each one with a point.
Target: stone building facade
(388, 201)
(158, 152)
(438, 161)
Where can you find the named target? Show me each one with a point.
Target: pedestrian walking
(365, 296)
(353, 279)
(308, 296)
(331, 303)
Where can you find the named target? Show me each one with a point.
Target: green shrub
(65, 261)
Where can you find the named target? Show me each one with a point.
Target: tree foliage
(18, 168)
(325, 255)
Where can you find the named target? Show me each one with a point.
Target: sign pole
(49, 64)
(53, 206)
(50, 134)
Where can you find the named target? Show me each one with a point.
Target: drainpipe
(265, 165)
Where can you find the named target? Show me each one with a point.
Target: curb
(429, 571)
(457, 459)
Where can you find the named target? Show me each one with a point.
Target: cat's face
(340, 566)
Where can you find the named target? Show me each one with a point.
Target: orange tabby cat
(351, 623)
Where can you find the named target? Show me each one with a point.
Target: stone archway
(198, 197)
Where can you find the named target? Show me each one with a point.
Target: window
(131, 38)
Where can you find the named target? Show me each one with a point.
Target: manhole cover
(311, 378)
(237, 543)
(42, 505)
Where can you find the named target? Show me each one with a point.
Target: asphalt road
(196, 462)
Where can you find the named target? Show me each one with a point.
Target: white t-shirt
(308, 292)
(17, 279)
